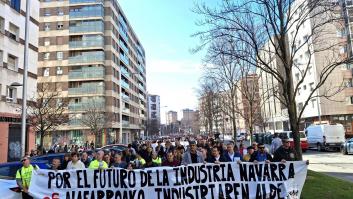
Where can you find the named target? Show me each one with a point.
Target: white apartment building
(154, 114)
(12, 35)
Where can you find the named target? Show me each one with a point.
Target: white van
(325, 136)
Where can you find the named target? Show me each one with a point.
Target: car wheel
(344, 151)
(319, 147)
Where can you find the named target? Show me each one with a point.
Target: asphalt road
(331, 163)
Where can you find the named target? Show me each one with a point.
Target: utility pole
(24, 84)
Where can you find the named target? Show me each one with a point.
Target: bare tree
(95, 118)
(251, 24)
(47, 111)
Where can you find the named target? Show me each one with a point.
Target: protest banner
(231, 180)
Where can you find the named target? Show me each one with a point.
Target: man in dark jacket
(231, 155)
(285, 152)
(216, 157)
(261, 155)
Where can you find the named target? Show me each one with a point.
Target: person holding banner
(23, 176)
(170, 161)
(216, 157)
(98, 163)
(118, 163)
(231, 155)
(261, 155)
(75, 162)
(192, 156)
(285, 152)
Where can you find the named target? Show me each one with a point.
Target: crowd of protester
(145, 155)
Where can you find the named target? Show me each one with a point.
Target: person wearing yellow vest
(156, 160)
(98, 163)
(23, 176)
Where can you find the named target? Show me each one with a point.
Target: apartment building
(89, 52)
(172, 117)
(12, 35)
(154, 115)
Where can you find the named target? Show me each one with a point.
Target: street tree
(96, 119)
(46, 112)
(252, 24)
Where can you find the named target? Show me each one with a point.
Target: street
(331, 163)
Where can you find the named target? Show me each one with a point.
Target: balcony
(141, 96)
(141, 87)
(87, 57)
(123, 46)
(86, 106)
(124, 58)
(123, 33)
(142, 106)
(85, 1)
(75, 122)
(125, 97)
(87, 88)
(87, 73)
(122, 22)
(140, 68)
(126, 110)
(124, 71)
(90, 43)
(124, 84)
(126, 123)
(87, 27)
(87, 11)
(140, 77)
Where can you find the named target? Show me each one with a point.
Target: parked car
(325, 136)
(303, 139)
(8, 170)
(49, 157)
(241, 137)
(347, 147)
(115, 147)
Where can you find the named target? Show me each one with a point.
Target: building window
(16, 4)
(351, 100)
(304, 87)
(300, 106)
(310, 69)
(46, 26)
(46, 72)
(59, 70)
(343, 49)
(2, 25)
(60, 26)
(60, 12)
(13, 31)
(299, 91)
(313, 101)
(46, 12)
(11, 62)
(311, 86)
(59, 55)
(11, 94)
(46, 56)
(297, 76)
(1, 60)
(46, 41)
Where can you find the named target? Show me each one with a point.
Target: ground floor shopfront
(10, 138)
(85, 137)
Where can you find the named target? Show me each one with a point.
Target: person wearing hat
(192, 156)
(285, 152)
(23, 176)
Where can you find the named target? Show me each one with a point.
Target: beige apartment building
(12, 39)
(89, 52)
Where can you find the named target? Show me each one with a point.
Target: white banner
(232, 180)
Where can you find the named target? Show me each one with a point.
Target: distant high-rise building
(12, 36)
(172, 117)
(90, 53)
(154, 115)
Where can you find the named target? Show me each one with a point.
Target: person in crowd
(55, 164)
(118, 162)
(170, 161)
(132, 150)
(285, 152)
(75, 162)
(130, 166)
(231, 155)
(98, 163)
(241, 149)
(178, 153)
(84, 159)
(143, 151)
(106, 158)
(140, 163)
(192, 155)
(127, 156)
(148, 157)
(33, 153)
(66, 148)
(276, 143)
(204, 152)
(216, 156)
(23, 176)
(156, 160)
(254, 145)
(161, 149)
(66, 160)
(168, 147)
(250, 151)
(92, 145)
(261, 155)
